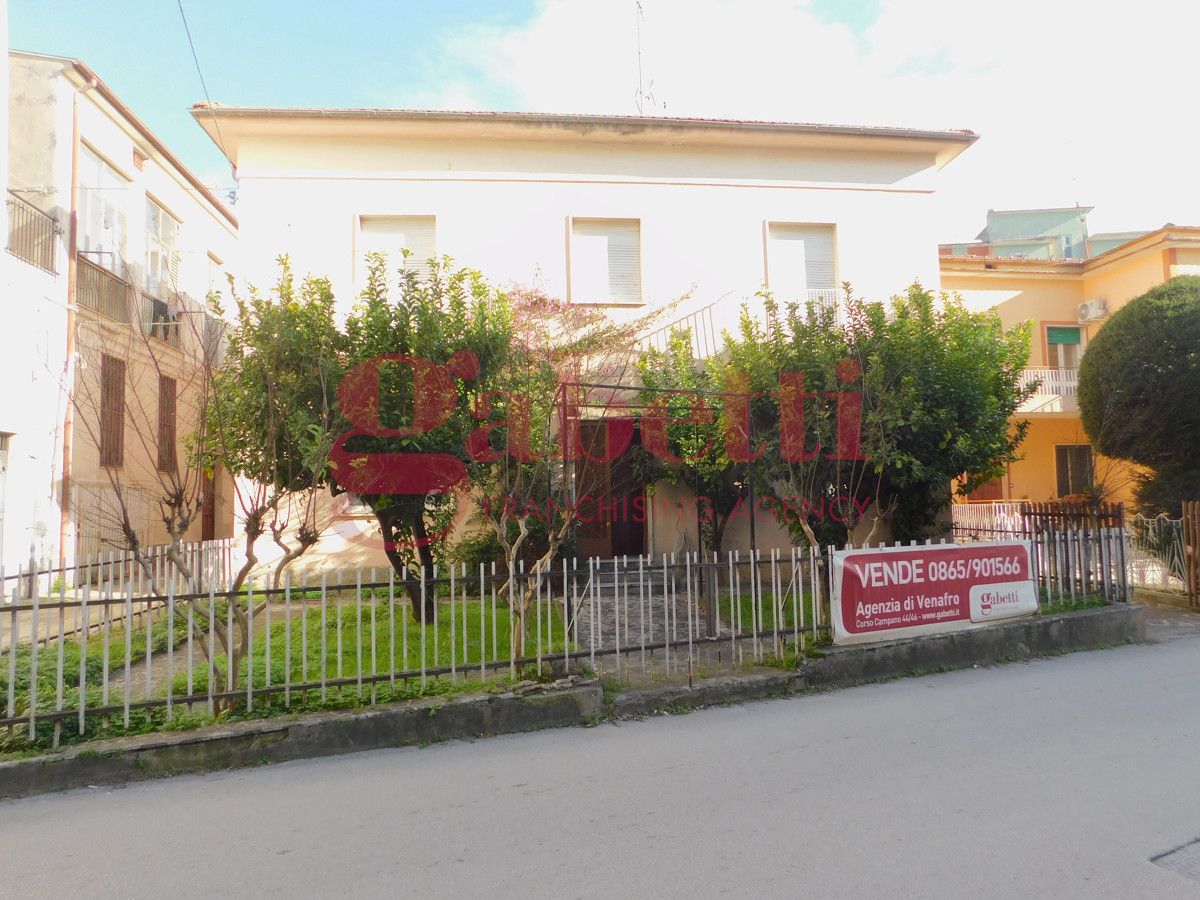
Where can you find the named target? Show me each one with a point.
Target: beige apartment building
(113, 246)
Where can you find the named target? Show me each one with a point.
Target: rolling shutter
(800, 259)
(606, 261)
(390, 235)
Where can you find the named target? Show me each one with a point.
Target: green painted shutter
(1062, 335)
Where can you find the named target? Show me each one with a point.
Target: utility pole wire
(203, 86)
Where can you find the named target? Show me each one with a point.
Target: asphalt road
(1055, 778)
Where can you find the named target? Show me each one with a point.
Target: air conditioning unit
(1092, 310)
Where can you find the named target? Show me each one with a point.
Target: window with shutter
(162, 257)
(606, 261)
(1074, 466)
(392, 235)
(166, 424)
(802, 262)
(1063, 346)
(112, 411)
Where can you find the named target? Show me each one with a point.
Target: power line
(203, 86)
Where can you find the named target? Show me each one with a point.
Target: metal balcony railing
(99, 289)
(30, 233)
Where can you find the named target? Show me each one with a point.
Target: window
(1062, 347)
(1074, 465)
(391, 235)
(162, 258)
(112, 411)
(166, 424)
(802, 262)
(160, 321)
(605, 261)
(102, 227)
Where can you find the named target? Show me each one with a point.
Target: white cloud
(1075, 101)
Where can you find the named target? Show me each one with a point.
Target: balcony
(99, 289)
(1056, 392)
(30, 233)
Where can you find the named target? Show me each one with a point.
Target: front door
(611, 516)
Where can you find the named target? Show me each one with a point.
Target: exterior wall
(1034, 477)
(31, 414)
(32, 366)
(505, 210)
(504, 206)
(1040, 223)
(1187, 262)
(202, 234)
(1120, 282)
(1022, 299)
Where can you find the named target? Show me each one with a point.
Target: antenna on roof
(643, 94)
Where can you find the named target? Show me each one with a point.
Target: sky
(1075, 102)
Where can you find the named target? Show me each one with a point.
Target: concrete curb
(570, 702)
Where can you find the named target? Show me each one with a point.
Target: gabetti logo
(435, 396)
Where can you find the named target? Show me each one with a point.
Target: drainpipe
(68, 366)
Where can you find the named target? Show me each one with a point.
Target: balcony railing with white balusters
(1062, 382)
(1055, 393)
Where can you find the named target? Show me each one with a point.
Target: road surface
(1054, 778)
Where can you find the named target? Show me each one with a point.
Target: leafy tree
(937, 386)
(522, 456)
(433, 316)
(274, 413)
(1138, 384)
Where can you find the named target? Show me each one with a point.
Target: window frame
(577, 292)
(162, 251)
(168, 418)
(1063, 453)
(112, 411)
(1047, 344)
(98, 204)
(811, 293)
(368, 239)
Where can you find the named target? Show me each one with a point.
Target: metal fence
(111, 655)
(210, 562)
(1078, 549)
(1156, 553)
(97, 288)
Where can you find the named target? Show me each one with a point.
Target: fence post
(1191, 559)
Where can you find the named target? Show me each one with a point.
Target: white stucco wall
(505, 209)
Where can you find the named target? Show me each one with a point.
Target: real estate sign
(895, 592)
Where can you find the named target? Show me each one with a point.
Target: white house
(626, 212)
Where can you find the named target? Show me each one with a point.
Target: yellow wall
(1123, 280)
(1187, 262)
(1022, 299)
(1034, 477)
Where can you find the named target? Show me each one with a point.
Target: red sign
(893, 592)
